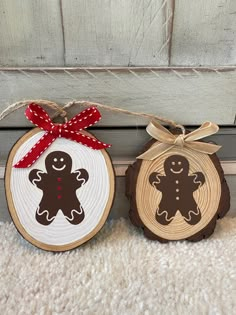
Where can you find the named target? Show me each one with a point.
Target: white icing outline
(195, 180)
(47, 216)
(156, 182)
(166, 215)
(76, 211)
(189, 214)
(38, 179)
(79, 179)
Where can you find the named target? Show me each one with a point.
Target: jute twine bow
(167, 140)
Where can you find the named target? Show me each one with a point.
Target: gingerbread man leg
(192, 216)
(164, 216)
(75, 214)
(45, 216)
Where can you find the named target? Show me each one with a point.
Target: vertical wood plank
(31, 33)
(204, 33)
(116, 33)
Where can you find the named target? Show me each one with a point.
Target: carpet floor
(120, 272)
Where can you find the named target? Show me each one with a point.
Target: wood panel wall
(188, 96)
(117, 33)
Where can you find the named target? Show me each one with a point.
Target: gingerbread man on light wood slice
(59, 181)
(177, 188)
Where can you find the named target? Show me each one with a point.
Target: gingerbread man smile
(59, 168)
(174, 163)
(177, 172)
(58, 162)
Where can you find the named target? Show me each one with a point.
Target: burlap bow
(167, 140)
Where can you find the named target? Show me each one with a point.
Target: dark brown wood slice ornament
(64, 197)
(178, 195)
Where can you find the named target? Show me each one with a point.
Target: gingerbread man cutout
(177, 188)
(59, 187)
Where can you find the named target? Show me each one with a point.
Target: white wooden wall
(188, 96)
(175, 58)
(74, 49)
(117, 32)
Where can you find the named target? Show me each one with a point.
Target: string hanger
(59, 111)
(62, 111)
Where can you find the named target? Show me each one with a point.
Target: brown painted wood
(132, 193)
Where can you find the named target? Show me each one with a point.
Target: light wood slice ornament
(176, 191)
(63, 197)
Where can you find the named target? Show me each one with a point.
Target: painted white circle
(93, 195)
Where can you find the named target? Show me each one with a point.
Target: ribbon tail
(38, 116)
(90, 142)
(206, 129)
(156, 150)
(36, 151)
(83, 120)
(203, 147)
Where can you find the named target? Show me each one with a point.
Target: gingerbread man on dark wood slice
(177, 188)
(59, 181)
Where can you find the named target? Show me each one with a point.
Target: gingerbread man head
(176, 165)
(58, 162)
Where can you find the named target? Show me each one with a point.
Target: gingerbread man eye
(173, 163)
(61, 159)
(55, 160)
(179, 163)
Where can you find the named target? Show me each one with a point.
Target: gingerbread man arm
(198, 180)
(36, 178)
(155, 179)
(81, 177)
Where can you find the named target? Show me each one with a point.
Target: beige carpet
(120, 272)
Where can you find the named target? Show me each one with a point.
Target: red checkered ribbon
(71, 130)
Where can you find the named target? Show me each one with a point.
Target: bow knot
(71, 130)
(166, 140)
(56, 130)
(179, 141)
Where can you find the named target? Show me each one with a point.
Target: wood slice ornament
(177, 188)
(59, 181)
